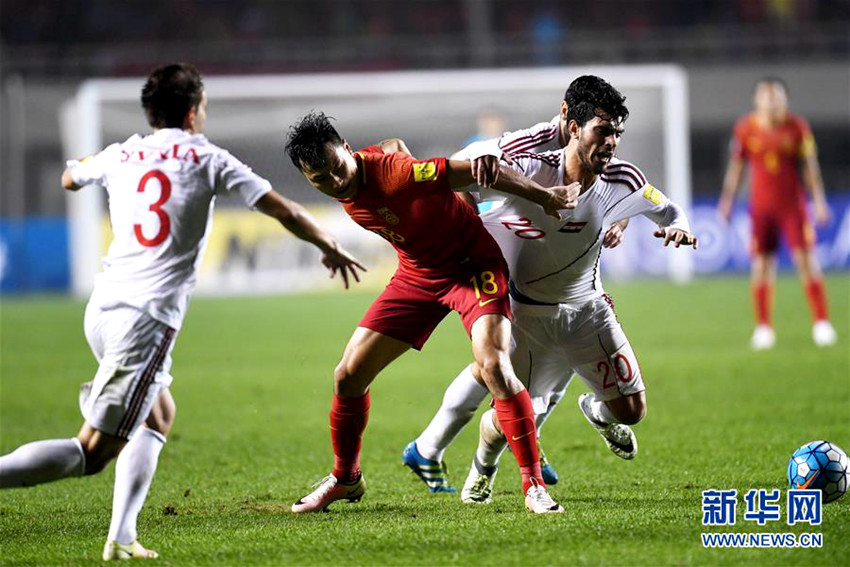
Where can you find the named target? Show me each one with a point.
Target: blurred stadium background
(253, 373)
(719, 47)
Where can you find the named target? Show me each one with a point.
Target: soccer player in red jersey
(781, 152)
(447, 261)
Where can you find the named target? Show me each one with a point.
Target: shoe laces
(323, 486)
(481, 483)
(540, 495)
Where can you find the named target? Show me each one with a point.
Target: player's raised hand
(561, 198)
(614, 235)
(485, 169)
(337, 259)
(677, 236)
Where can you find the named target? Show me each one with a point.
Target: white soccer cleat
(538, 500)
(478, 488)
(329, 490)
(619, 438)
(823, 333)
(763, 338)
(114, 551)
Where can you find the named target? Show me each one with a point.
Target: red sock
(763, 301)
(816, 293)
(348, 420)
(516, 418)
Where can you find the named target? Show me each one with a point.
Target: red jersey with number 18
(774, 156)
(410, 203)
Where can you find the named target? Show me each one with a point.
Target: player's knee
(349, 380)
(629, 410)
(490, 367)
(98, 455)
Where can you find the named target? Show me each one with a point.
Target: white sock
(42, 461)
(462, 398)
(599, 411)
(491, 442)
(133, 475)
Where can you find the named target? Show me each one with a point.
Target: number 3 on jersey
(164, 220)
(487, 285)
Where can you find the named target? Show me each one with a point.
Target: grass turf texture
(253, 384)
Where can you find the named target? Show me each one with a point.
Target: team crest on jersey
(652, 195)
(388, 216)
(426, 171)
(572, 227)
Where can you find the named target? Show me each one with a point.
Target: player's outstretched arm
(68, 181)
(731, 182)
(301, 223)
(814, 182)
(395, 145)
(552, 199)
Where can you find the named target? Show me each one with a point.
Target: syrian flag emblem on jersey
(572, 227)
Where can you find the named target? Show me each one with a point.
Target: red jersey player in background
(782, 155)
(447, 262)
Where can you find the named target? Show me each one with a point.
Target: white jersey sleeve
(92, 169)
(653, 204)
(534, 139)
(543, 136)
(233, 175)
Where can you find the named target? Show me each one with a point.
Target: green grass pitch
(253, 385)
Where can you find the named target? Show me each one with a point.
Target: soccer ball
(822, 465)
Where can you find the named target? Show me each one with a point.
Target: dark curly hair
(305, 142)
(588, 95)
(170, 92)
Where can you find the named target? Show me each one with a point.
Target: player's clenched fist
(561, 198)
(677, 237)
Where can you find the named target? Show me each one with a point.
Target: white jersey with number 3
(162, 190)
(557, 261)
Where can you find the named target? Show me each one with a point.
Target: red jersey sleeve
(738, 144)
(807, 146)
(404, 173)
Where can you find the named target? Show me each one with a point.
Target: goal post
(433, 110)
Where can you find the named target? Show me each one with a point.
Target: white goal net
(434, 112)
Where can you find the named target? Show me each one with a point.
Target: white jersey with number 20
(557, 261)
(162, 190)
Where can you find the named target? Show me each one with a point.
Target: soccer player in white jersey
(563, 320)
(424, 456)
(162, 189)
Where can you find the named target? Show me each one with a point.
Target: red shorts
(792, 223)
(411, 307)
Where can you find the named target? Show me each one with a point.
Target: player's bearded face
(597, 142)
(336, 177)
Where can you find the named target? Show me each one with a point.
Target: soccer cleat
(114, 551)
(329, 490)
(619, 438)
(823, 333)
(434, 474)
(550, 475)
(763, 338)
(478, 488)
(538, 500)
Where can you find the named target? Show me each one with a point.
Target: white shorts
(134, 353)
(550, 342)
